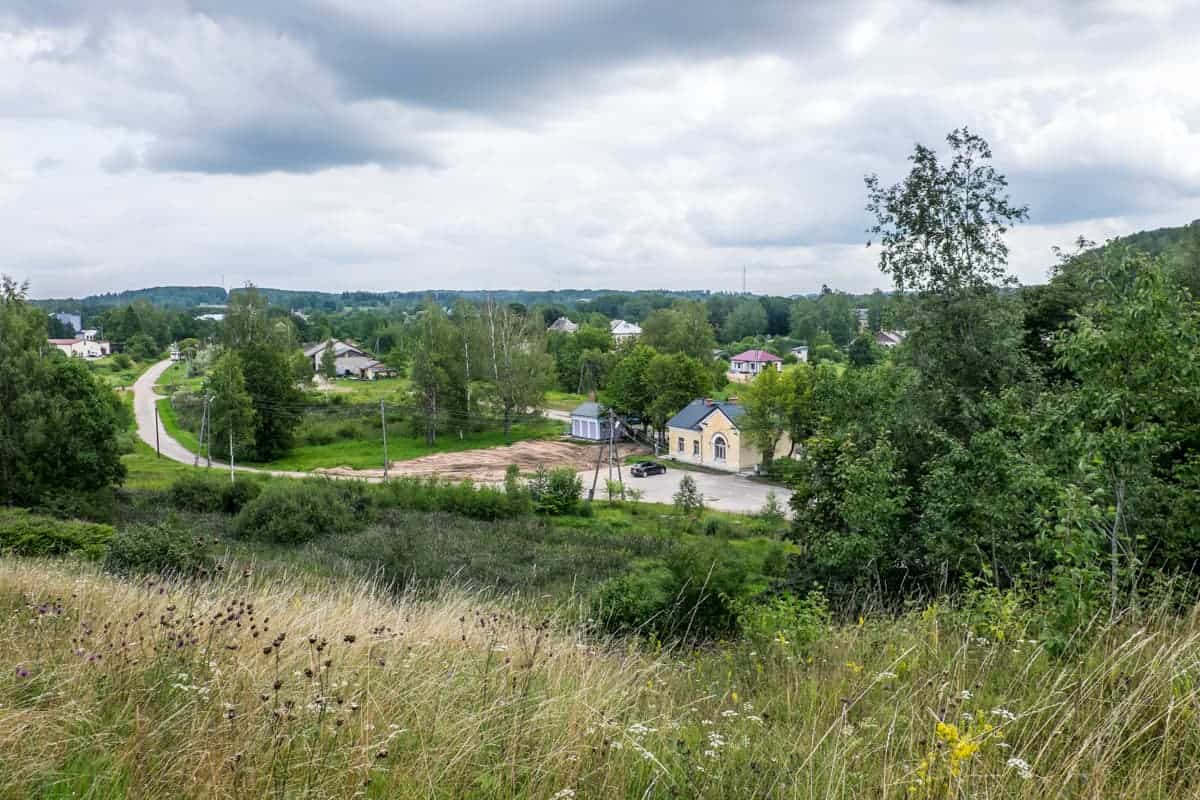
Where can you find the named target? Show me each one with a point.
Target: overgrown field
(251, 687)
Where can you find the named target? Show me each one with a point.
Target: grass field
(255, 686)
(106, 370)
(563, 401)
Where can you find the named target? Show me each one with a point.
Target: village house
(562, 325)
(801, 353)
(744, 367)
(349, 361)
(890, 338)
(86, 345)
(587, 422)
(706, 433)
(623, 331)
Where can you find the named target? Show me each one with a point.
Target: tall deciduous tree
(942, 228)
(672, 382)
(231, 410)
(520, 368)
(682, 328)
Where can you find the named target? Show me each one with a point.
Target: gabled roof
(619, 327)
(339, 348)
(697, 411)
(64, 341)
(756, 356)
(589, 409)
(564, 325)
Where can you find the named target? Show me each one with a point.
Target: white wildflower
(1021, 766)
(706, 722)
(886, 676)
(747, 706)
(729, 712)
(638, 729)
(848, 729)
(710, 753)
(754, 718)
(1004, 714)
(965, 694)
(563, 794)
(715, 740)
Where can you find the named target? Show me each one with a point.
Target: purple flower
(21, 671)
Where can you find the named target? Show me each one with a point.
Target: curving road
(144, 399)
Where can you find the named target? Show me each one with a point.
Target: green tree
(863, 352)
(328, 361)
(673, 381)
(748, 318)
(689, 500)
(60, 427)
(682, 328)
(231, 410)
(942, 228)
(768, 401)
(627, 390)
(517, 364)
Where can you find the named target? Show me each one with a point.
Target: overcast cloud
(412, 144)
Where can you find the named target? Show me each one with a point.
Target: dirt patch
(488, 465)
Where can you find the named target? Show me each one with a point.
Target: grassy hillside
(311, 688)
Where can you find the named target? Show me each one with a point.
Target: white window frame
(720, 448)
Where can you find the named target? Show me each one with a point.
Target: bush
(785, 620)
(294, 512)
(556, 491)
(197, 491)
(121, 361)
(28, 534)
(696, 592)
(689, 500)
(432, 494)
(164, 548)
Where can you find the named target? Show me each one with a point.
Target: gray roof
(697, 411)
(590, 410)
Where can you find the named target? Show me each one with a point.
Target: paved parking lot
(721, 492)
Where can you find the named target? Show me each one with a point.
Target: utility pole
(383, 426)
(743, 279)
(610, 444)
(157, 451)
(231, 478)
(203, 426)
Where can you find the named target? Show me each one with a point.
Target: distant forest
(1179, 246)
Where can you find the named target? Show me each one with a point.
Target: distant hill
(161, 296)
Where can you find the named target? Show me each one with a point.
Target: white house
(349, 361)
(562, 325)
(587, 422)
(623, 331)
(81, 347)
(890, 338)
(744, 367)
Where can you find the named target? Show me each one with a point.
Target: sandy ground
(488, 465)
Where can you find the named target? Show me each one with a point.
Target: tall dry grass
(246, 688)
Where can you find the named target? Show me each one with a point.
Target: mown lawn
(107, 370)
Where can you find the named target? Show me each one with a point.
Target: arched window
(718, 448)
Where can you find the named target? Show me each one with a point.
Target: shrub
(28, 534)
(555, 491)
(696, 591)
(294, 512)
(432, 494)
(197, 491)
(688, 500)
(785, 620)
(164, 548)
(121, 361)
(519, 499)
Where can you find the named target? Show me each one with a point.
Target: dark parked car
(644, 468)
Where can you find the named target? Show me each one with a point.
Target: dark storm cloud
(496, 64)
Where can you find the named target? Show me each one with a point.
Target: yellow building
(706, 432)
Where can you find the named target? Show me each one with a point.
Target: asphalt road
(721, 492)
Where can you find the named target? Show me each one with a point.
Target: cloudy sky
(411, 144)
